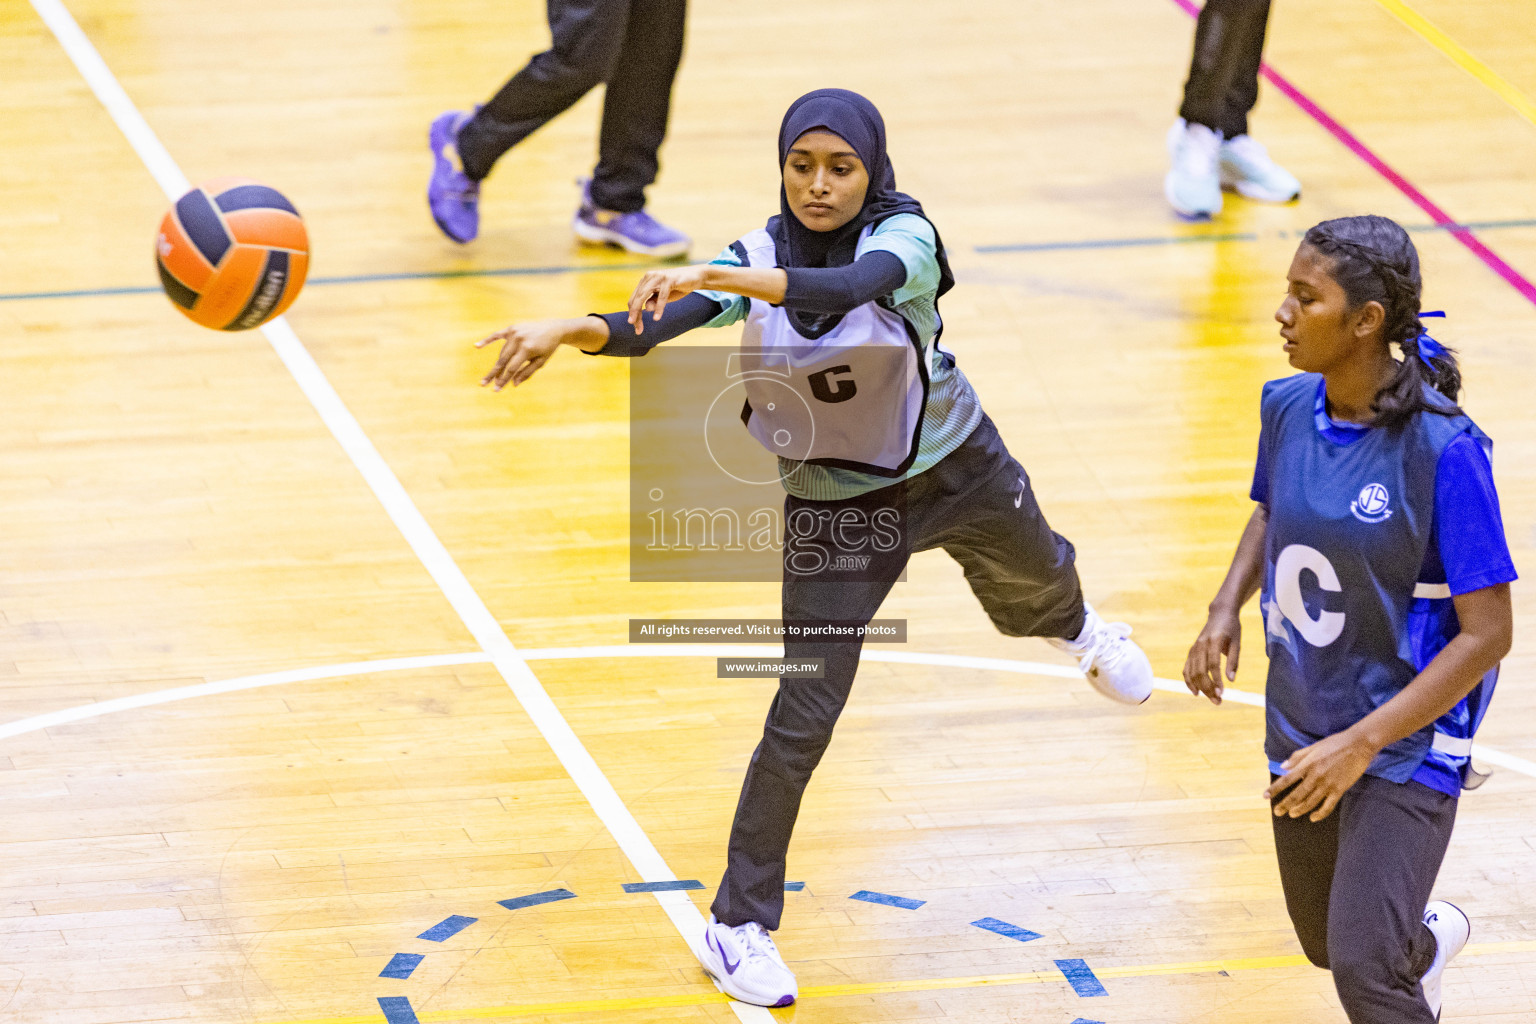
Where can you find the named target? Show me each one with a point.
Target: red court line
(1494, 261)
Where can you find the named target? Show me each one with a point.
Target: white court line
(297, 675)
(482, 625)
(1026, 668)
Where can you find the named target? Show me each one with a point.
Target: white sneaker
(1247, 169)
(1110, 659)
(1451, 929)
(746, 965)
(1193, 185)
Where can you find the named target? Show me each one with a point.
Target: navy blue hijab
(855, 120)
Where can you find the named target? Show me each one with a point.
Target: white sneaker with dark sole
(1451, 930)
(746, 965)
(1107, 655)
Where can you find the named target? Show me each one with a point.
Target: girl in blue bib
(839, 298)
(1380, 555)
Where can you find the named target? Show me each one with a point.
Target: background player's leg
(1229, 37)
(636, 105)
(1245, 165)
(1245, 51)
(1222, 87)
(587, 36)
(634, 125)
(1392, 839)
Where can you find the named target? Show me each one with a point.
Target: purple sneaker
(452, 196)
(637, 232)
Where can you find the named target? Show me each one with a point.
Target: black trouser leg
(1223, 80)
(799, 726)
(976, 503)
(1023, 572)
(636, 104)
(1356, 884)
(587, 36)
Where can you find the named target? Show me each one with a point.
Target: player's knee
(570, 77)
(583, 63)
(1358, 964)
(1314, 944)
(795, 752)
(1317, 956)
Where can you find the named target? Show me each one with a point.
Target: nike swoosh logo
(1019, 501)
(730, 968)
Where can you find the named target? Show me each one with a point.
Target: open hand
(525, 348)
(1222, 635)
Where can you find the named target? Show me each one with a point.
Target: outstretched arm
(841, 289)
(1223, 630)
(668, 284)
(625, 339)
(527, 346)
(811, 289)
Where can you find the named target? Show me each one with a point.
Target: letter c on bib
(1325, 629)
(832, 391)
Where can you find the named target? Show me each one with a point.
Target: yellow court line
(1254, 963)
(1461, 58)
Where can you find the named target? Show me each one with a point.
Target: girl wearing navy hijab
(1380, 552)
(840, 292)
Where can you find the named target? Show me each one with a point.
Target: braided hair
(1373, 259)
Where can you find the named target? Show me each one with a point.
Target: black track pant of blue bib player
(1356, 884)
(977, 505)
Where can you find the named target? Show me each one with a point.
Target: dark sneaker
(636, 232)
(453, 197)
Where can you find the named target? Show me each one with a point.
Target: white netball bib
(851, 397)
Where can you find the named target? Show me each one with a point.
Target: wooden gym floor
(176, 510)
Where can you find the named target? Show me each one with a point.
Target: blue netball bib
(1349, 619)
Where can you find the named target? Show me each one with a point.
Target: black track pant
(632, 45)
(1356, 884)
(1223, 80)
(977, 505)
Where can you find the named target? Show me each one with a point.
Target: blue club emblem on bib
(1371, 505)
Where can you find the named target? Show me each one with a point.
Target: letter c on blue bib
(1320, 631)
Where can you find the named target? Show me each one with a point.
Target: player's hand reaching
(1222, 635)
(527, 346)
(661, 286)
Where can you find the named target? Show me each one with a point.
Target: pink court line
(1494, 261)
